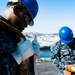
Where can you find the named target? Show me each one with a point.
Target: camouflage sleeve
(54, 54)
(8, 65)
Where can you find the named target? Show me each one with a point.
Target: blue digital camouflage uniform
(8, 65)
(8, 44)
(62, 54)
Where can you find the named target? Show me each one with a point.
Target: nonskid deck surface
(46, 68)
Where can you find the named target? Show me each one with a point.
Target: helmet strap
(20, 2)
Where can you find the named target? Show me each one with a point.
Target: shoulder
(57, 44)
(55, 47)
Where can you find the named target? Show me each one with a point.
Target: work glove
(70, 68)
(24, 51)
(36, 47)
(67, 72)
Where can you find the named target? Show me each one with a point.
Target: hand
(36, 47)
(67, 72)
(73, 68)
(24, 50)
(70, 67)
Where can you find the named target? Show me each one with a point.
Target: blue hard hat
(32, 7)
(66, 34)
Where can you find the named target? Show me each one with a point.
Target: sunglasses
(27, 17)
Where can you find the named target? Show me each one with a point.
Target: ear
(16, 10)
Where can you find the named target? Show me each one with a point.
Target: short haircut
(12, 4)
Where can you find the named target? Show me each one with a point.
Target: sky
(52, 15)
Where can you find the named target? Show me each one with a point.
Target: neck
(5, 14)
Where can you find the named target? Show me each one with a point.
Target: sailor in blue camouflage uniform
(17, 16)
(62, 53)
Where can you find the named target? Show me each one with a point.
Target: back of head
(65, 34)
(30, 5)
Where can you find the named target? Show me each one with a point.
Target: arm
(7, 62)
(54, 51)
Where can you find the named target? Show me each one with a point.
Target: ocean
(44, 53)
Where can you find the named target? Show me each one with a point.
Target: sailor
(15, 49)
(62, 53)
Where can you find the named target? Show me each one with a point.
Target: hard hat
(32, 7)
(66, 34)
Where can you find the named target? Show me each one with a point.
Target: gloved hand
(36, 47)
(24, 51)
(70, 68)
(67, 72)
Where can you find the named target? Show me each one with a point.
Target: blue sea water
(45, 53)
